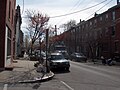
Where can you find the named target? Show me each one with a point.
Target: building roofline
(110, 9)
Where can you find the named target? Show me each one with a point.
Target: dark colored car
(57, 60)
(79, 57)
(116, 57)
(65, 54)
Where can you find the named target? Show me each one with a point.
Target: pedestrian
(103, 60)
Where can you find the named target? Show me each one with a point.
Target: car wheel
(72, 59)
(67, 69)
(85, 61)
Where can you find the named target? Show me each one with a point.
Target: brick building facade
(18, 33)
(97, 36)
(7, 9)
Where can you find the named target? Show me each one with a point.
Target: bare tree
(37, 23)
(68, 25)
(93, 44)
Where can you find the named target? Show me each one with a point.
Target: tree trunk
(31, 49)
(92, 54)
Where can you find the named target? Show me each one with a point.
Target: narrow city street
(82, 76)
(39, 36)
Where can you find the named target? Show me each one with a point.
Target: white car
(57, 60)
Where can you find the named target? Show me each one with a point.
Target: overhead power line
(99, 9)
(79, 10)
(23, 7)
(79, 4)
(76, 4)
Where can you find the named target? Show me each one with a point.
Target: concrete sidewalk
(23, 71)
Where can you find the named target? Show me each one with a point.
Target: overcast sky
(60, 7)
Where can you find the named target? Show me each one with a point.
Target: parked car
(43, 55)
(79, 57)
(65, 54)
(117, 57)
(57, 60)
(35, 56)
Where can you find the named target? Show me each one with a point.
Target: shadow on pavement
(36, 86)
(59, 71)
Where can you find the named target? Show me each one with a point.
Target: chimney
(95, 14)
(117, 1)
(80, 20)
(55, 30)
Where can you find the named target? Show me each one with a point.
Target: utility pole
(75, 40)
(55, 30)
(47, 69)
(117, 1)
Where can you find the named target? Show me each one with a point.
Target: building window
(9, 9)
(9, 43)
(86, 35)
(12, 17)
(101, 34)
(105, 47)
(90, 23)
(116, 46)
(86, 25)
(106, 16)
(83, 26)
(9, 47)
(113, 15)
(112, 30)
(95, 21)
(95, 36)
(101, 18)
(106, 32)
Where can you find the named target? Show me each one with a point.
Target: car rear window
(56, 57)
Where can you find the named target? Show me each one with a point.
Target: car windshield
(57, 57)
(78, 54)
(60, 48)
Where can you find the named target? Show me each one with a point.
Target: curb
(45, 78)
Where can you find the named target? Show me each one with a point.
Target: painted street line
(67, 85)
(5, 86)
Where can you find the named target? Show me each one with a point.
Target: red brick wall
(2, 31)
(103, 28)
(4, 20)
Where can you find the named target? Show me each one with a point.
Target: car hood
(63, 60)
(80, 56)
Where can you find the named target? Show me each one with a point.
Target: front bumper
(59, 65)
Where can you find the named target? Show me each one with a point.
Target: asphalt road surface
(82, 76)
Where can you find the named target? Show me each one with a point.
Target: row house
(97, 36)
(7, 9)
(18, 34)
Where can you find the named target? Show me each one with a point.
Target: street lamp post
(75, 40)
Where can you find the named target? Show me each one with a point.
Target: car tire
(85, 61)
(67, 69)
